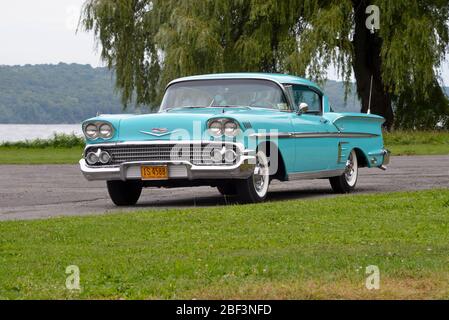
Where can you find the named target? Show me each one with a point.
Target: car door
(315, 147)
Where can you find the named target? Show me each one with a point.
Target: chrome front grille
(197, 154)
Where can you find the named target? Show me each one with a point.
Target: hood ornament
(158, 132)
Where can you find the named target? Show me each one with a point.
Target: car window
(303, 94)
(225, 93)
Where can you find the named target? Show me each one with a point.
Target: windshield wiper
(186, 107)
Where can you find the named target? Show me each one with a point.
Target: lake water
(22, 132)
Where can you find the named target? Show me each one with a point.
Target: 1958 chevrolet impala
(236, 132)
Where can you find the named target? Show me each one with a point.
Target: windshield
(225, 93)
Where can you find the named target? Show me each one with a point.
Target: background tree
(72, 93)
(149, 42)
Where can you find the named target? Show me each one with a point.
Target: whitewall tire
(347, 182)
(255, 189)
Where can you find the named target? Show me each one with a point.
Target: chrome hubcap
(261, 176)
(351, 169)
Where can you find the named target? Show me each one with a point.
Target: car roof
(279, 78)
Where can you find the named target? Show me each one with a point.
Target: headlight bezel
(222, 124)
(99, 135)
(110, 131)
(230, 132)
(90, 127)
(215, 125)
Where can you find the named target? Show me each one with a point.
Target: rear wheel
(124, 193)
(347, 182)
(255, 189)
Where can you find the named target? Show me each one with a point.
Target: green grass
(62, 141)
(13, 155)
(67, 149)
(287, 250)
(61, 149)
(418, 142)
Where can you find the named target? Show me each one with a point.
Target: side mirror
(303, 108)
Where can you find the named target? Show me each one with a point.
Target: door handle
(324, 121)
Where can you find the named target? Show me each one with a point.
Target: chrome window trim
(315, 90)
(279, 84)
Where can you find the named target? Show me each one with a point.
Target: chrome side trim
(272, 135)
(311, 135)
(315, 174)
(334, 135)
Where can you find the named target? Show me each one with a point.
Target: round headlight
(105, 157)
(216, 155)
(105, 131)
(231, 129)
(216, 128)
(230, 156)
(91, 131)
(92, 158)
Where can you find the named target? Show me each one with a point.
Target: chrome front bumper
(176, 170)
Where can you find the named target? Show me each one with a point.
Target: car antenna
(370, 95)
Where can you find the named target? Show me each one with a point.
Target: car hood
(185, 124)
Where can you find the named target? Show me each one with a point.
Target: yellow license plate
(154, 172)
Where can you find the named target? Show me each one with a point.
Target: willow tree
(149, 42)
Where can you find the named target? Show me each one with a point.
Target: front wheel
(347, 182)
(227, 189)
(124, 193)
(255, 189)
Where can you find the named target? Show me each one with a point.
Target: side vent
(247, 125)
(343, 152)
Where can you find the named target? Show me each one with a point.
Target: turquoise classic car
(235, 132)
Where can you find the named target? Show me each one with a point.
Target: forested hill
(63, 93)
(55, 93)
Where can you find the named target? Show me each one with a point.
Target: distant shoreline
(23, 132)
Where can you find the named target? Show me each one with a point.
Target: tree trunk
(367, 64)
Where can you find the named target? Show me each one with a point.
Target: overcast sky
(44, 31)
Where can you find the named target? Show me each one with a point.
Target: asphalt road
(34, 192)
